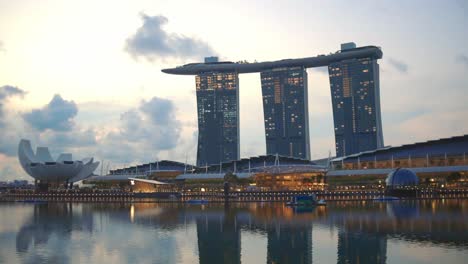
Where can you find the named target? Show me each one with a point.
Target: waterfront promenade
(242, 196)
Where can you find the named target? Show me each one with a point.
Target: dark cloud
(463, 59)
(6, 92)
(155, 122)
(9, 143)
(143, 132)
(400, 66)
(151, 41)
(57, 115)
(161, 111)
(69, 139)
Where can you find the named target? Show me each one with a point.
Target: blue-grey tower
(285, 111)
(354, 79)
(218, 116)
(355, 93)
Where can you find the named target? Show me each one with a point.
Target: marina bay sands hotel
(354, 85)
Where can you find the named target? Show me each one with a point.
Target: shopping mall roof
(444, 146)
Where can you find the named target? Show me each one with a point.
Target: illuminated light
(132, 213)
(132, 182)
(202, 189)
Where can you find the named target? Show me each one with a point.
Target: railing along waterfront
(114, 196)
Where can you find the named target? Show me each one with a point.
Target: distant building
(218, 117)
(265, 172)
(285, 110)
(355, 92)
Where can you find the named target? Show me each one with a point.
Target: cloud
(57, 115)
(2, 46)
(400, 66)
(6, 92)
(62, 140)
(421, 127)
(11, 169)
(463, 59)
(8, 121)
(161, 111)
(152, 42)
(53, 126)
(143, 132)
(140, 135)
(11, 130)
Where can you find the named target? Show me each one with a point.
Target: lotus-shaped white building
(42, 167)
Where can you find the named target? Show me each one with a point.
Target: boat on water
(306, 200)
(197, 201)
(321, 202)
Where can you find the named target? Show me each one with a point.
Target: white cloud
(151, 41)
(57, 115)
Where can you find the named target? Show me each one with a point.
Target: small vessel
(197, 201)
(305, 200)
(321, 202)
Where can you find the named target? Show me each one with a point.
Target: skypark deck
(310, 62)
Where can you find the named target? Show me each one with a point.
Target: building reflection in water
(364, 229)
(47, 221)
(290, 244)
(361, 248)
(219, 241)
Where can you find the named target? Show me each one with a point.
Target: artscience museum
(46, 171)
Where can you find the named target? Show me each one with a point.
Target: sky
(85, 77)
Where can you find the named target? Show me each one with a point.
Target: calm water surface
(345, 232)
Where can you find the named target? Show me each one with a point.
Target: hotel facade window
(355, 94)
(218, 117)
(285, 110)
